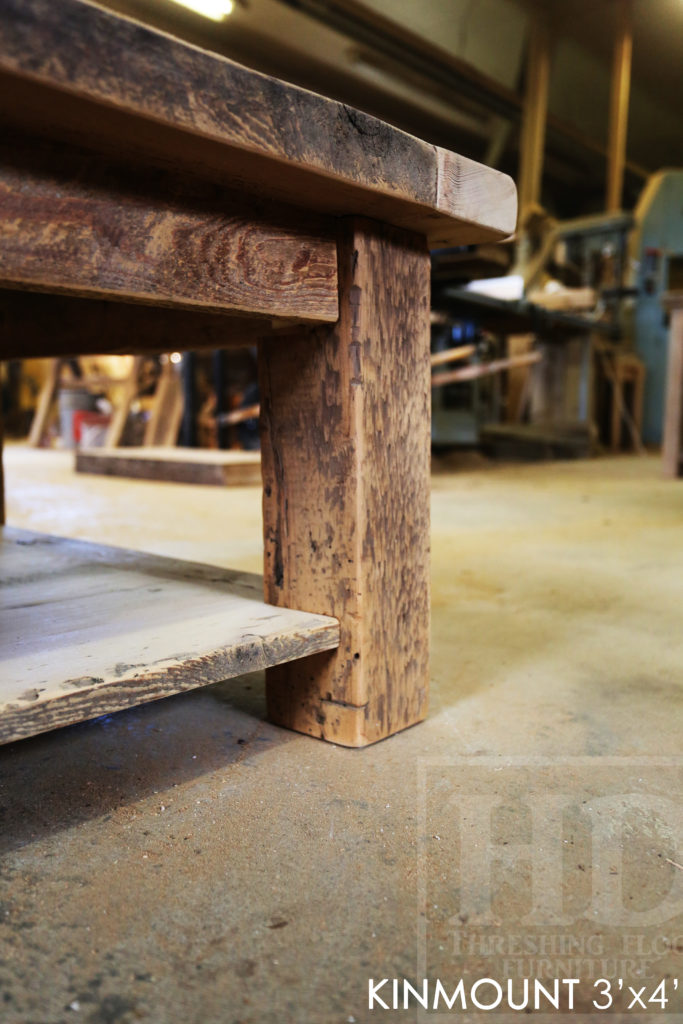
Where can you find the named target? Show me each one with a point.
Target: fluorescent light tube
(214, 9)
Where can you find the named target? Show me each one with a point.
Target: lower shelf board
(176, 465)
(86, 630)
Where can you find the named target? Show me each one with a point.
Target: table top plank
(85, 70)
(87, 630)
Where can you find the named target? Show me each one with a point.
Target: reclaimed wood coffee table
(155, 197)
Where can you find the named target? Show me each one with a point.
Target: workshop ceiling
(658, 39)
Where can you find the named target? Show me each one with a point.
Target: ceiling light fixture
(214, 9)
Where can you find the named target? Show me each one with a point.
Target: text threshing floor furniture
(153, 197)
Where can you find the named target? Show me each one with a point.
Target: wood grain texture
(672, 442)
(178, 465)
(78, 69)
(88, 630)
(39, 324)
(345, 414)
(73, 223)
(475, 195)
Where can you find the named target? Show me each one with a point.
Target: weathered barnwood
(88, 630)
(56, 325)
(345, 450)
(178, 465)
(139, 170)
(71, 222)
(473, 199)
(124, 86)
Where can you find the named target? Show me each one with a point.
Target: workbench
(561, 415)
(156, 197)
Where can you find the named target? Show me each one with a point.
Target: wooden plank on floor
(87, 630)
(178, 465)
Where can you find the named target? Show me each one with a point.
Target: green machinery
(631, 260)
(655, 266)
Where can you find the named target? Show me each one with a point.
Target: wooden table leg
(346, 450)
(673, 409)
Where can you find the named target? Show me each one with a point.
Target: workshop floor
(188, 862)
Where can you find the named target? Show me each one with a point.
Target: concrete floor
(188, 862)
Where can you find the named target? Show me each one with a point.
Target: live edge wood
(88, 630)
(345, 414)
(124, 86)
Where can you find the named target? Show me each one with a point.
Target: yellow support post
(619, 99)
(534, 116)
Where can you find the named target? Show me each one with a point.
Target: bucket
(73, 400)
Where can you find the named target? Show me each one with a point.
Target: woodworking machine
(655, 266)
(630, 259)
